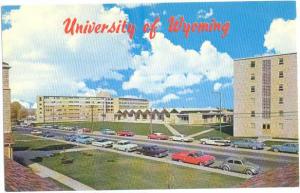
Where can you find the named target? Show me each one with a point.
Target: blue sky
(249, 21)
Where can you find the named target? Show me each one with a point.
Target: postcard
(150, 96)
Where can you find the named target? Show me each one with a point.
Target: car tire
(249, 172)
(276, 150)
(204, 143)
(254, 148)
(225, 168)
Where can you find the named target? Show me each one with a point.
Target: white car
(125, 145)
(103, 143)
(181, 138)
(215, 141)
(36, 132)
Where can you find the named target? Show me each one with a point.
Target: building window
(280, 61)
(266, 89)
(280, 87)
(252, 88)
(281, 113)
(266, 126)
(252, 113)
(280, 100)
(252, 64)
(252, 77)
(280, 74)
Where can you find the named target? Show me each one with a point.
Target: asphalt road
(265, 160)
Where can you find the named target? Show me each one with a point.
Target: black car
(48, 134)
(153, 150)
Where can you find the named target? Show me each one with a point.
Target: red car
(193, 157)
(125, 133)
(159, 136)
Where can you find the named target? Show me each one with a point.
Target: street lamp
(151, 121)
(220, 110)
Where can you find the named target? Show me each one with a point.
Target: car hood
(209, 157)
(131, 145)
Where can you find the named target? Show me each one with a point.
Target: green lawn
(189, 130)
(227, 132)
(35, 143)
(18, 136)
(137, 128)
(112, 171)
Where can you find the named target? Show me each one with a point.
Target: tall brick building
(8, 141)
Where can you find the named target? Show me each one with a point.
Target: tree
(18, 111)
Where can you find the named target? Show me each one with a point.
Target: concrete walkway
(171, 129)
(200, 133)
(46, 172)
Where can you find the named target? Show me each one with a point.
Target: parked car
(159, 136)
(215, 141)
(101, 142)
(193, 157)
(71, 138)
(36, 132)
(287, 147)
(108, 132)
(240, 165)
(181, 138)
(125, 145)
(84, 139)
(48, 134)
(152, 150)
(248, 143)
(125, 133)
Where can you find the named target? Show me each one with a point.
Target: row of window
(280, 88)
(280, 75)
(266, 126)
(279, 112)
(252, 63)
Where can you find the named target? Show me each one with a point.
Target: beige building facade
(8, 141)
(79, 108)
(265, 96)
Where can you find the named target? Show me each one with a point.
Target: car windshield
(218, 138)
(124, 142)
(197, 154)
(102, 140)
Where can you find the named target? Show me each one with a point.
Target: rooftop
(19, 178)
(286, 176)
(264, 56)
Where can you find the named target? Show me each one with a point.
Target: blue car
(108, 132)
(287, 147)
(48, 134)
(71, 138)
(84, 139)
(248, 143)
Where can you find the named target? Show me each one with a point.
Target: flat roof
(264, 56)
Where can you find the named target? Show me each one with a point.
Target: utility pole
(151, 130)
(220, 110)
(92, 118)
(53, 116)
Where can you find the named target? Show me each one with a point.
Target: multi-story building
(80, 108)
(265, 96)
(130, 103)
(8, 141)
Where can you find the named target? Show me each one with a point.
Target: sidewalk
(171, 129)
(200, 133)
(46, 172)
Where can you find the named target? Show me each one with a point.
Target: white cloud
(203, 14)
(167, 98)
(218, 86)
(281, 36)
(133, 5)
(185, 91)
(167, 65)
(46, 61)
(154, 14)
(83, 90)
